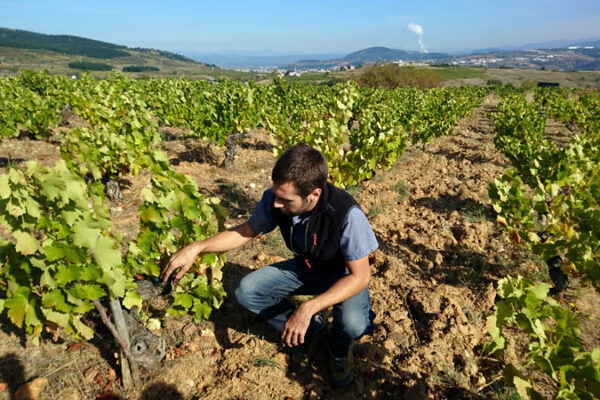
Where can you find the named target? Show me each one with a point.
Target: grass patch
(450, 377)
(378, 208)
(354, 190)
(402, 189)
(480, 214)
(499, 391)
(266, 362)
(474, 316)
(276, 245)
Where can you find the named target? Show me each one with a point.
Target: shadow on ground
(5, 162)
(447, 203)
(12, 372)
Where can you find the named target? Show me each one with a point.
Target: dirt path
(432, 286)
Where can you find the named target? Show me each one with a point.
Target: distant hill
(370, 55)
(75, 45)
(373, 54)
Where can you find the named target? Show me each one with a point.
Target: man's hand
(221, 242)
(183, 260)
(346, 287)
(296, 326)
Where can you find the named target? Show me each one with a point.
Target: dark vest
(323, 231)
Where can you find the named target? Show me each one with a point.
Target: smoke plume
(418, 30)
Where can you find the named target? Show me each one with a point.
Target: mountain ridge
(76, 45)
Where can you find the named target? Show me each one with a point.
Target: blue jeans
(263, 291)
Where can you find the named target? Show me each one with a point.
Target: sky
(308, 27)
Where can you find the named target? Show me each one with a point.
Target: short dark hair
(302, 165)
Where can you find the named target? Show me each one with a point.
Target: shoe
(342, 370)
(304, 354)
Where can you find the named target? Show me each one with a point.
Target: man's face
(290, 203)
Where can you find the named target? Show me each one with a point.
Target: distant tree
(140, 68)
(90, 66)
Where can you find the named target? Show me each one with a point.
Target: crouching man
(331, 240)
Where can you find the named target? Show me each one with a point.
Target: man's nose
(277, 204)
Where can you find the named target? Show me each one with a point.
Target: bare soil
(432, 287)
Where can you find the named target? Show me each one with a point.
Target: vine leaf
(106, 254)
(26, 243)
(132, 299)
(17, 308)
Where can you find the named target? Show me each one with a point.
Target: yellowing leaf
(85, 331)
(533, 237)
(131, 299)
(17, 308)
(26, 243)
(523, 386)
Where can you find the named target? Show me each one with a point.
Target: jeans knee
(354, 324)
(243, 293)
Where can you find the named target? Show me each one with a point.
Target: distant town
(567, 59)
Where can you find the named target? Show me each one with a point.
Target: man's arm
(221, 242)
(349, 285)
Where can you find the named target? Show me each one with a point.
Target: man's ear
(316, 194)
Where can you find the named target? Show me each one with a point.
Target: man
(331, 240)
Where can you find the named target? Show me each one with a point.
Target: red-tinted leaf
(74, 346)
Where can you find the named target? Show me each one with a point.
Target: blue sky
(307, 26)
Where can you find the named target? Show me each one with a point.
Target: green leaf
(46, 280)
(209, 259)
(183, 299)
(106, 253)
(519, 381)
(58, 318)
(148, 196)
(66, 275)
(85, 331)
(90, 273)
(70, 216)
(26, 243)
(84, 235)
(201, 310)
(56, 299)
(504, 312)
(17, 308)
(150, 214)
(54, 252)
(33, 208)
(498, 342)
(540, 290)
(115, 281)
(131, 299)
(52, 186)
(193, 212)
(5, 191)
(93, 292)
(31, 318)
